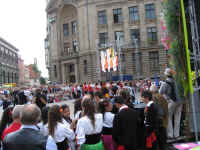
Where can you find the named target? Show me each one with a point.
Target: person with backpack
(169, 91)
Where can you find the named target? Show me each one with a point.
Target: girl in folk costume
(77, 109)
(105, 108)
(67, 121)
(58, 130)
(151, 120)
(89, 127)
(43, 125)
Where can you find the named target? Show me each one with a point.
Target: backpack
(172, 93)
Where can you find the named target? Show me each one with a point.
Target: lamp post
(98, 60)
(137, 56)
(119, 45)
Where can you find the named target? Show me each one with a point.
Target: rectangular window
(75, 45)
(85, 66)
(150, 11)
(102, 18)
(74, 27)
(103, 39)
(152, 34)
(134, 62)
(119, 35)
(133, 57)
(66, 48)
(133, 14)
(71, 68)
(135, 34)
(55, 71)
(117, 16)
(154, 60)
(65, 29)
(122, 57)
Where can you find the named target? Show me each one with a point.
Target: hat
(168, 72)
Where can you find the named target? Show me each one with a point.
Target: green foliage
(173, 22)
(171, 15)
(35, 69)
(42, 81)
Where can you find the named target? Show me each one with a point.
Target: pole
(98, 61)
(189, 68)
(137, 58)
(119, 55)
(88, 25)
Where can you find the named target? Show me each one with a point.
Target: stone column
(63, 73)
(76, 71)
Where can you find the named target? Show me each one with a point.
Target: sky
(23, 24)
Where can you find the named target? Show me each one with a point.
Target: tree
(36, 70)
(42, 81)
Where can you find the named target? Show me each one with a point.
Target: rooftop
(7, 43)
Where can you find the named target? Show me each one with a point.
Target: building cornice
(8, 44)
(51, 6)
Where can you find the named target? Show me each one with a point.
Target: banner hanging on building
(109, 60)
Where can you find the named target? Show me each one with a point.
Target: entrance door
(72, 78)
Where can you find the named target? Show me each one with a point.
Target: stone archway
(68, 18)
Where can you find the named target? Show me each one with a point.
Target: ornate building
(77, 30)
(9, 72)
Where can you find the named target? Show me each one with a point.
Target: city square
(100, 75)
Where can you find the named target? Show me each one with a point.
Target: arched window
(12, 80)
(4, 77)
(16, 77)
(8, 77)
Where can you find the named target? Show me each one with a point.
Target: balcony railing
(69, 53)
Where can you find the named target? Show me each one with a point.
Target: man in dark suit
(28, 137)
(125, 125)
(154, 115)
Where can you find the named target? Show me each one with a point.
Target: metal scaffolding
(195, 57)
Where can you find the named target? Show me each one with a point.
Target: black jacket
(125, 126)
(25, 139)
(153, 118)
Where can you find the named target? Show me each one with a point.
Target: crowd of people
(106, 116)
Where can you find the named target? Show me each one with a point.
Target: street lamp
(119, 46)
(98, 60)
(137, 55)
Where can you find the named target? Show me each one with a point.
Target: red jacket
(12, 128)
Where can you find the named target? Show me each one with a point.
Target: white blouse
(108, 119)
(85, 127)
(65, 122)
(43, 128)
(77, 115)
(62, 131)
(70, 143)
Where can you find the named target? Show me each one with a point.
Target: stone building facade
(77, 30)
(21, 67)
(9, 72)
